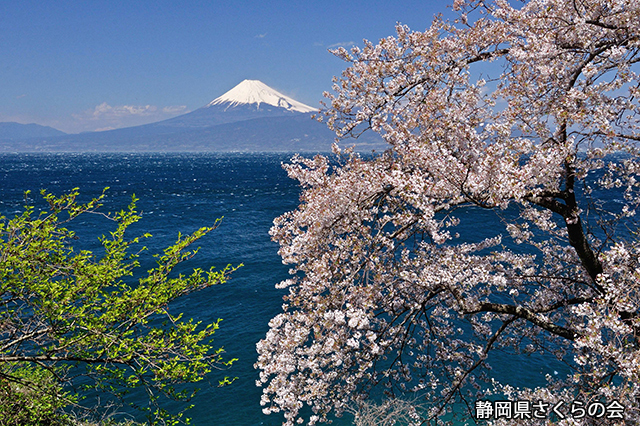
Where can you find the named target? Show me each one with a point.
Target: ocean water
(182, 192)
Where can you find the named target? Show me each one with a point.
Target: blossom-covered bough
(529, 110)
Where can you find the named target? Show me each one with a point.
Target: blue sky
(90, 65)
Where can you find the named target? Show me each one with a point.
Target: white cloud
(106, 111)
(341, 44)
(175, 109)
(261, 35)
(108, 117)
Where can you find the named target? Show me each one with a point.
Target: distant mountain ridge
(251, 117)
(15, 131)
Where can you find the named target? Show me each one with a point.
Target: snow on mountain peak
(256, 92)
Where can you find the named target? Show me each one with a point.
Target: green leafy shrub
(70, 324)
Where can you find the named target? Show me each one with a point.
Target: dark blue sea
(180, 193)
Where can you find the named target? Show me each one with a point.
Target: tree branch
(524, 313)
(41, 358)
(479, 361)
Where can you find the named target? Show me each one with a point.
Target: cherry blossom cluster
(527, 112)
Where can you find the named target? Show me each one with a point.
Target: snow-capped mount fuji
(248, 100)
(255, 93)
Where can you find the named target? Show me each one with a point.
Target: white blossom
(387, 289)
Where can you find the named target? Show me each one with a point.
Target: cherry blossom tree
(528, 111)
